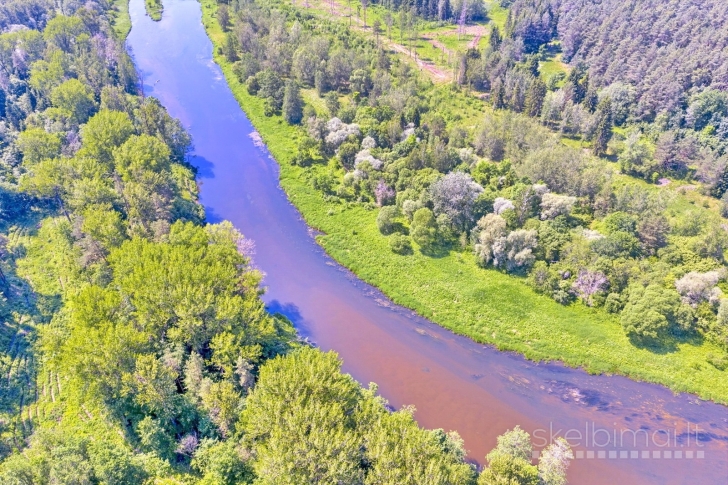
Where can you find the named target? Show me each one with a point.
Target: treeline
(666, 50)
(157, 361)
(672, 101)
(442, 10)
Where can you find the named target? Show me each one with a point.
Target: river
(454, 383)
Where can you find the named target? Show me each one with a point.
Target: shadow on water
(205, 168)
(292, 313)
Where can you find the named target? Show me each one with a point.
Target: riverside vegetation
(556, 219)
(135, 346)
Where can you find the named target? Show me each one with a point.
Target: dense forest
(135, 345)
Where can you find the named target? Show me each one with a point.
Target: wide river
(622, 431)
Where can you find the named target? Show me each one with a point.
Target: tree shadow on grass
(435, 251)
(666, 345)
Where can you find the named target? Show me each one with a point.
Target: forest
(136, 348)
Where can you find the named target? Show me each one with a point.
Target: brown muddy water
(622, 431)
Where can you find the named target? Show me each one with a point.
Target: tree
(75, 99)
(604, 125)
(377, 29)
(650, 312)
(385, 218)
(105, 131)
(535, 97)
(455, 195)
(61, 31)
(223, 17)
(302, 417)
(36, 144)
(140, 154)
(492, 228)
(292, 104)
(364, 6)
(554, 461)
(424, 228)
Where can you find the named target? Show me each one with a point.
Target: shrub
(385, 219)
(424, 228)
(400, 244)
(650, 312)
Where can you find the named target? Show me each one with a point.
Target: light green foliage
(61, 31)
(154, 9)
(221, 463)
(302, 417)
(505, 469)
(309, 422)
(385, 218)
(650, 311)
(103, 133)
(36, 144)
(141, 154)
(515, 442)
(74, 99)
(423, 228)
(400, 244)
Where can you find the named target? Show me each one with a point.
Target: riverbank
(453, 291)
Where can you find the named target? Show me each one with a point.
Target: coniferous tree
(292, 103)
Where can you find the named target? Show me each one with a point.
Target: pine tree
(603, 132)
(534, 97)
(292, 104)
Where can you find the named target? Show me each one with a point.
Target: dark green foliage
(292, 104)
(604, 124)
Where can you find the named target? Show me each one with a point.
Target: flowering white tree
(554, 462)
(338, 132)
(492, 228)
(454, 195)
(554, 205)
(696, 288)
(515, 251)
(501, 204)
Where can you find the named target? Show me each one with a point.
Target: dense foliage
(664, 51)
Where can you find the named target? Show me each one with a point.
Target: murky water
(618, 427)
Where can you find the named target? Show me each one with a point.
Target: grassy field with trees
(549, 251)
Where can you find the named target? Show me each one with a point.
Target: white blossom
(501, 204)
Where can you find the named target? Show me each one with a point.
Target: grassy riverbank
(453, 291)
(122, 19)
(154, 9)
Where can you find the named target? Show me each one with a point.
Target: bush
(424, 228)
(400, 244)
(652, 311)
(385, 219)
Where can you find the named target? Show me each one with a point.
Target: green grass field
(486, 305)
